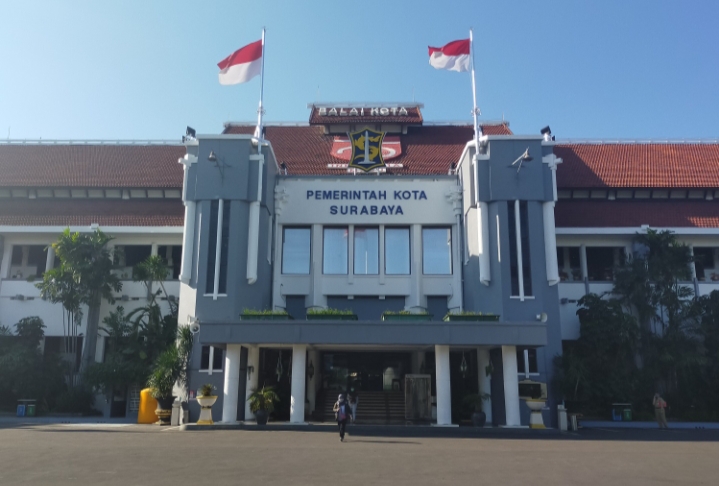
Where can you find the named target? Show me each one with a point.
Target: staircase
(373, 408)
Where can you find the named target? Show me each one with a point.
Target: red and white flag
(242, 65)
(453, 57)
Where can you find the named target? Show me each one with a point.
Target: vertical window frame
(409, 249)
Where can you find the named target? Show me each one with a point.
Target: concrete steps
(373, 408)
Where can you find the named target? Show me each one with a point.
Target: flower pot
(479, 419)
(536, 421)
(407, 317)
(469, 318)
(206, 404)
(261, 417)
(331, 317)
(164, 410)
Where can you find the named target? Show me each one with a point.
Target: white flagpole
(261, 110)
(475, 110)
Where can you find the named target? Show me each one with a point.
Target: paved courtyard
(114, 454)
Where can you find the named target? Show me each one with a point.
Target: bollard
(562, 418)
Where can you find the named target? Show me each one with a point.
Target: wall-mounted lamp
(250, 369)
(311, 370)
(212, 157)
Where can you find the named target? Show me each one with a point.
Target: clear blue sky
(145, 69)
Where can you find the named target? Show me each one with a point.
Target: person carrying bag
(343, 412)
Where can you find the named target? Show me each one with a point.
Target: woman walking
(343, 412)
(659, 411)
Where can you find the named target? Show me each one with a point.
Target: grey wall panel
(375, 333)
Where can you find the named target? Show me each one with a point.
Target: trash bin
(30, 410)
(21, 410)
(627, 415)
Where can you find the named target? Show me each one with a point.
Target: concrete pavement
(122, 454)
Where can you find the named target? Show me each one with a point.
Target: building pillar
(50, 261)
(253, 373)
(511, 386)
(418, 358)
(297, 403)
(25, 257)
(485, 381)
(232, 383)
(188, 240)
(444, 391)
(583, 262)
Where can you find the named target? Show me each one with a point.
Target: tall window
(601, 262)
(366, 251)
(211, 359)
(335, 251)
(531, 358)
(212, 247)
(296, 251)
(224, 228)
(519, 257)
(437, 251)
(396, 251)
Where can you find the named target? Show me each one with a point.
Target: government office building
(514, 226)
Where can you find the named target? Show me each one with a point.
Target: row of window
(297, 251)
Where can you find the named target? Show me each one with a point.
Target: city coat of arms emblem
(366, 149)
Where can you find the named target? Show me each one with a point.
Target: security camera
(194, 324)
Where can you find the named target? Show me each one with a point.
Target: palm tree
(83, 278)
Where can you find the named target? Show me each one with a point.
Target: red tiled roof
(84, 212)
(616, 214)
(98, 165)
(425, 150)
(682, 165)
(413, 117)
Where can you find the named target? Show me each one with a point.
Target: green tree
(24, 371)
(83, 277)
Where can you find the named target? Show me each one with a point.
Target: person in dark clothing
(343, 412)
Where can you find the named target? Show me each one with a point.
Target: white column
(232, 383)
(297, 403)
(50, 261)
(444, 391)
(583, 261)
(188, 241)
(6, 259)
(253, 372)
(485, 382)
(511, 385)
(154, 249)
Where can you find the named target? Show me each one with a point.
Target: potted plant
(470, 316)
(330, 314)
(474, 401)
(265, 315)
(405, 315)
(206, 399)
(170, 368)
(262, 403)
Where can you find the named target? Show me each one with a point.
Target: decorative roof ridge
(264, 124)
(451, 123)
(90, 142)
(570, 141)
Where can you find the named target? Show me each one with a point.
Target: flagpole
(261, 110)
(475, 110)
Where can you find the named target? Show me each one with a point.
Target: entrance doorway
(364, 371)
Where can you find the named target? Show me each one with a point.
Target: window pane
(217, 359)
(366, 251)
(526, 260)
(224, 246)
(396, 251)
(532, 360)
(513, 262)
(212, 247)
(205, 358)
(296, 251)
(437, 251)
(335, 251)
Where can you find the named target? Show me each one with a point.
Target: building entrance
(364, 371)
